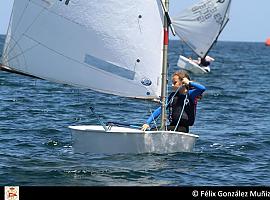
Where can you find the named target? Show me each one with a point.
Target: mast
(164, 68)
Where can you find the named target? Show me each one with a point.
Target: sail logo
(220, 1)
(66, 2)
(146, 81)
(11, 192)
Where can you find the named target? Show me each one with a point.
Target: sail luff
(224, 23)
(216, 37)
(7, 31)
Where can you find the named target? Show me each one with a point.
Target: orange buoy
(267, 42)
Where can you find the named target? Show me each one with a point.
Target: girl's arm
(197, 90)
(157, 112)
(154, 115)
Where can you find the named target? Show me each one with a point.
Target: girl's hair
(181, 74)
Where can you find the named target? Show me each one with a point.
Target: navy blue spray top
(175, 106)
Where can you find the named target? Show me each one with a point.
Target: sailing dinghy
(116, 139)
(191, 66)
(88, 43)
(199, 27)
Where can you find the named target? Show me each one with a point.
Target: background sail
(200, 25)
(109, 46)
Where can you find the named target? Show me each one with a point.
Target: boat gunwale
(125, 130)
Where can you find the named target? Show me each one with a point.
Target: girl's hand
(145, 127)
(185, 81)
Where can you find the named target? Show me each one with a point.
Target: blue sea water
(233, 123)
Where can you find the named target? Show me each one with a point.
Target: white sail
(89, 44)
(200, 25)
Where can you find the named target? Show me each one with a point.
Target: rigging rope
(168, 104)
(180, 116)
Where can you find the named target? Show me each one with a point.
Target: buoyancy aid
(175, 108)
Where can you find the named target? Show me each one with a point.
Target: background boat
(199, 27)
(189, 65)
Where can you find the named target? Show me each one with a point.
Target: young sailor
(185, 95)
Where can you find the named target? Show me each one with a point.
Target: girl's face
(176, 83)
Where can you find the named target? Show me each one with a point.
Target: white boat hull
(191, 66)
(94, 139)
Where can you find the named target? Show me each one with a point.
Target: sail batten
(89, 44)
(200, 25)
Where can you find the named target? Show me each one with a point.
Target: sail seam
(22, 52)
(16, 27)
(16, 41)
